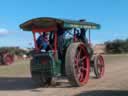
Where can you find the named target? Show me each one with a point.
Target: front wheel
(99, 66)
(77, 64)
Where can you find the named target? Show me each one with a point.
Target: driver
(43, 41)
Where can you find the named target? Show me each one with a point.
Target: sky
(112, 15)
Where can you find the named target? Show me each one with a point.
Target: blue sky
(111, 14)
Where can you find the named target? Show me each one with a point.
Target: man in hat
(43, 41)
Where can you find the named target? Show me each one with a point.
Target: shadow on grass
(16, 83)
(25, 83)
(104, 93)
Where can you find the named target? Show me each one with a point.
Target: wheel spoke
(81, 76)
(79, 73)
(100, 65)
(83, 68)
(81, 59)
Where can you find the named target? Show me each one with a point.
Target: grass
(21, 67)
(18, 67)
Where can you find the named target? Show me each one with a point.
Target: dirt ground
(15, 81)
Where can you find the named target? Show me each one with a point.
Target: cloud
(3, 31)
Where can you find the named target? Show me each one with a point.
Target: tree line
(13, 50)
(117, 46)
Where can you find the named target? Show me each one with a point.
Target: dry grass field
(15, 80)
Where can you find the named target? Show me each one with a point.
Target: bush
(117, 46)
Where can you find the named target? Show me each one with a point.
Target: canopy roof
(45, 22)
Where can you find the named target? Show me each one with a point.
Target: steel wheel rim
(100, 66)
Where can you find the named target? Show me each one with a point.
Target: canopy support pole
(34, 36)
(89, 37)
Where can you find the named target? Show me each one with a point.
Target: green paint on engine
(44, 62)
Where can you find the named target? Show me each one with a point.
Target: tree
(117, 46)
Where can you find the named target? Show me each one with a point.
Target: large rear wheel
(77, 64)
